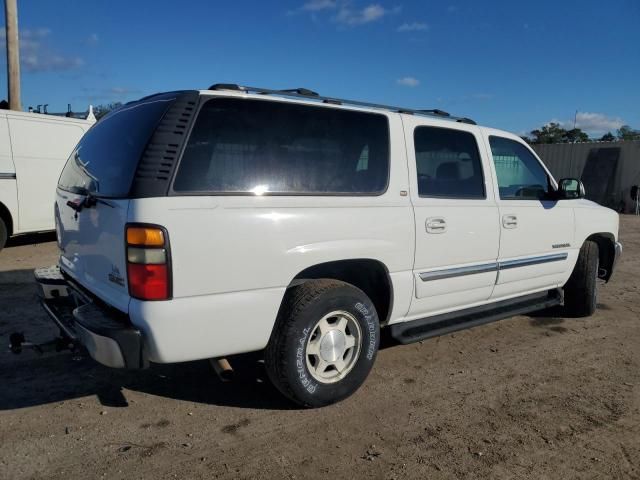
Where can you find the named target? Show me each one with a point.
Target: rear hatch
(94, 190)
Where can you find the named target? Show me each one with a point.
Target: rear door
(536, 233)
(102, 168)
(455, 215)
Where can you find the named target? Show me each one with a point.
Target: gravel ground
(530, 397)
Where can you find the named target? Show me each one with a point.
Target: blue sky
(509, 64)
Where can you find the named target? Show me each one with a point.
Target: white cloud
(408, 82)
(597, 122)
(413, 27)
(368, 14)
(37, 56)
(592, 123)
(344, 13)
(317, 5)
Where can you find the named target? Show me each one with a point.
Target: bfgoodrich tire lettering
(286, 356)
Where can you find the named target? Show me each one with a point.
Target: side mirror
(570, 188)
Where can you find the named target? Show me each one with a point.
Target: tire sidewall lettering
(370, 330)
(301, 365)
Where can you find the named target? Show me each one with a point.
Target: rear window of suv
(105, 160)
(260, 147)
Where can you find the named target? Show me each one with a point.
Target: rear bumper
(106, 333)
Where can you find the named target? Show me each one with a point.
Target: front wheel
(324, 342)
(581, 291)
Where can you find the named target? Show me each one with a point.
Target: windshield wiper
(90, 200)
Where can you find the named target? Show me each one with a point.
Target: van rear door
(93, 194)
(41, 145)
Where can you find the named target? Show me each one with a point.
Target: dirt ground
(530, 397)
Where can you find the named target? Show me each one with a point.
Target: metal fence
(608, 169)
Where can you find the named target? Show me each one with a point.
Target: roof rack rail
(466, 120)
(226, 86)
(436, 111)
(301, 91)
(311, 95)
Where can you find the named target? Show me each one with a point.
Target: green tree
(550, 133)
(101, 110)
(554, 133)
(607, 137)
(575, 135)
(625, 132)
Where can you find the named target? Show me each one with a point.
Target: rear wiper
(90, 200)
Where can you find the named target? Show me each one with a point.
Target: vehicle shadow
(30, 379)
(59, 377)
(31, 239)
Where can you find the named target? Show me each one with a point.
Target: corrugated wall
(569, 160)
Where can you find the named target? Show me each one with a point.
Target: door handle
(436, 225)
(509, 221)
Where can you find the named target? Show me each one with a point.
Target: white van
(33, 149)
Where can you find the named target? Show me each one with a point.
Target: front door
(456, 217)
(536, 237)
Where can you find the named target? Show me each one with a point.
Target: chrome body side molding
(491, 267)
(458, 272)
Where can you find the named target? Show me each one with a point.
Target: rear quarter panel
(233, 257)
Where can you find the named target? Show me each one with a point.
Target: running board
(416, 330)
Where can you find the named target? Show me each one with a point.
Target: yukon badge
(115, 276)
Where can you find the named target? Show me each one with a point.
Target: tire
(4, 234)
(320, 322)
(581, 291)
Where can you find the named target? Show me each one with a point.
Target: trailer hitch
(17, 343)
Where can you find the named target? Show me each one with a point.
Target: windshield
(105, 160)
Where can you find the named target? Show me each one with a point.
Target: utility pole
(13, 54)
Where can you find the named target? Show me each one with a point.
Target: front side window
(520, 174)
(263, 147)
(448, 163)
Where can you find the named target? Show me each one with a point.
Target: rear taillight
(148, 266)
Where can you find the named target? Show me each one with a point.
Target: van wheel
(324, 342)
(581, 291)
(4, 234)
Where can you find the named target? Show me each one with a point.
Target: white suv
(201, 224)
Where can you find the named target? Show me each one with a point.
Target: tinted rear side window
(262, 147)
(105, 160)
(448, 163)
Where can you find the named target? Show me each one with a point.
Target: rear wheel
(581, 291)
(324, 342)
(4, 234)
